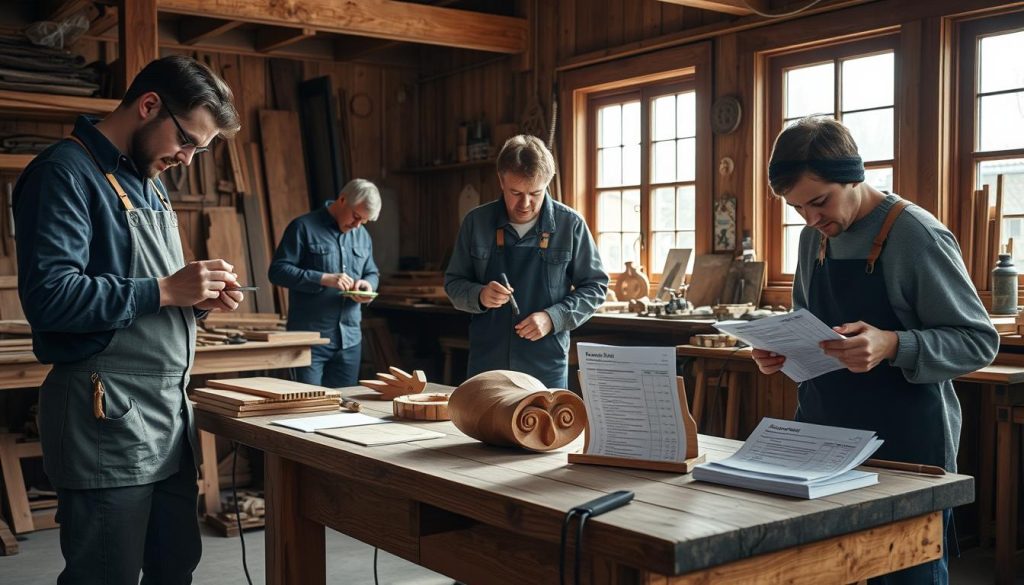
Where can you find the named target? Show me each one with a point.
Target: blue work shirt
(311, 246)
(74, 248)
(580, 283)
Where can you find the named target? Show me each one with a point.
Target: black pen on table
(511, 298)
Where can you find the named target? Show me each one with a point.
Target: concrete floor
(348, 561)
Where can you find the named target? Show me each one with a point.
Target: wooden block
(421, 407)
(270, 387)
(274, 336)
(234, 413)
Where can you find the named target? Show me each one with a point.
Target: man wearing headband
(889, 276)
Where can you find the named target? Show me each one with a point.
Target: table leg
(699, 391)
(295, 544)
(986, 464)
(211, 475)
(732, 405)
(8, 544)
(1008, 437)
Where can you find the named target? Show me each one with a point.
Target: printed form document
(795, 335)
(632, 402)
(796, 459)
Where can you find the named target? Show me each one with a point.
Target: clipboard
(686, 466)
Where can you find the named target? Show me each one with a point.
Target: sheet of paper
(802, 451)
(309, 424)
(795, 335)
(389, 434)
(632, 402)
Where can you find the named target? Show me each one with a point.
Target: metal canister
(1004, 287)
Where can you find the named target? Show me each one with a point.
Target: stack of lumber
(249, 511)
(244, 397)
(713, 340)
(241, 327)
(27, 67)
(984, 235)
(414, 286)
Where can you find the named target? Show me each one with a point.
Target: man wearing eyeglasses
(325, 260)
(112, 305)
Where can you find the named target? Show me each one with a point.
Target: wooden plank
(734, 7)
(14, 484)
(137, 37)
(197, 29)
(846, 559)
(225, 240)
(273, 38)
(282, 335)
(385, 19)
(270, 387)
(284, 167)
(257, 230)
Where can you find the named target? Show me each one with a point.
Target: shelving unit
(48, 107)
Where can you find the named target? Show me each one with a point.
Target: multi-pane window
(645, 175)
(853, 83)
(998, 120)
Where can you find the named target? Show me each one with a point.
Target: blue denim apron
(144, 373)
(910, 418)
(493, 342)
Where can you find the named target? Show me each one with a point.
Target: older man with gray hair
(325, 260)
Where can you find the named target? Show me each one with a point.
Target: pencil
(901, 466)
(511, 299)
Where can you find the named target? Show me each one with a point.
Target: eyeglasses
(185, 141)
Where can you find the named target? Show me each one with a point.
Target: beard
(143, 154)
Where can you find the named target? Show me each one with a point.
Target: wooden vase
(506, 408)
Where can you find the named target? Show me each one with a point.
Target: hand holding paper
(866, 347)
(796, 337)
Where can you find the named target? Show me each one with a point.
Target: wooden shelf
(51, 106)
(15, 162)
(451, 166)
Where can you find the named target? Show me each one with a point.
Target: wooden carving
(397, 383)
(632, 284)
(508, 408)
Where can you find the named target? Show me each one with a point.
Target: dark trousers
(933, 573)
(108, 536)
(331, 367)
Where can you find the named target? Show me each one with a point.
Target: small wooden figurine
(632, 284)
(507, 408)
(397, 383)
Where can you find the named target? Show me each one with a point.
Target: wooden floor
(348, 561)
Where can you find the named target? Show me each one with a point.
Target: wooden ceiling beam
(383, 19)
(734, 7)
(195, 29)
(269, 39)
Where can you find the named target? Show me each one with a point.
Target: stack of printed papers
(796, 459)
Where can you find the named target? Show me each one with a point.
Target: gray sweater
(947, 331)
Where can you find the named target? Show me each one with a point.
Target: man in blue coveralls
(325, 259)
(552, 265)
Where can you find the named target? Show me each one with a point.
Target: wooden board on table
(15, 327)
(225, 240)
(281, 335)
(284, 168)
(234, 319)
(235, 413)
(271, 388)
(244, 400)
(708, 279)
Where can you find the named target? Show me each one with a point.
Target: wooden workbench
(22, 370)
(490, 515)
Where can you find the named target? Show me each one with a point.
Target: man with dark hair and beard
(112, 305)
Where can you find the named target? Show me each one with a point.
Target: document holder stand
(686, 466)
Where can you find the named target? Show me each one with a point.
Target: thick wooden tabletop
(675, 525)
(22, 369)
